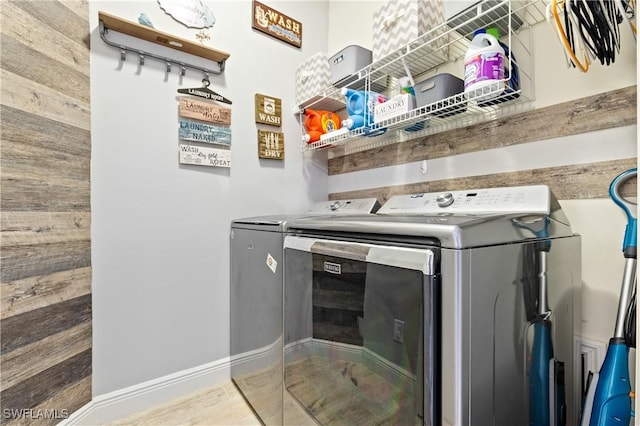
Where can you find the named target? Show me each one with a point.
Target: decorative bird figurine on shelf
(144, 20)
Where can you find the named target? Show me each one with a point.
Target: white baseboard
(80, 416)
(257, 359)
(134, 399)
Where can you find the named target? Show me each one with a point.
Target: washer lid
(531, 199)
(273, 223)
(453, 231)
(459, 219)
(278, 223)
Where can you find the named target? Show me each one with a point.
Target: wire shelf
(446, 43)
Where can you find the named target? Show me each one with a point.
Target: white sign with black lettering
(204, 156)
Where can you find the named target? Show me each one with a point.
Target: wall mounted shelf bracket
(149, 34)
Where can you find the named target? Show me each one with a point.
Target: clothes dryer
(453, 308)
(256, 296)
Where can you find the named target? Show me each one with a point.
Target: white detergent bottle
(484, 67)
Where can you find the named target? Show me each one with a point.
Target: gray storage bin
(440, 87)
(346, 62)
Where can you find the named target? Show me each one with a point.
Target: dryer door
(361, 331)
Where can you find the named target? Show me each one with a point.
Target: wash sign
(204, 156)
(276, 24)
(268, 110)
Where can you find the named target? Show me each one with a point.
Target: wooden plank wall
(580, 181)
(45, 274)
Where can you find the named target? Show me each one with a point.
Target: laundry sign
(203, 121)
(276, 24)
(205, 111)
(268, 110)
(204, 156)
(196, 131)
(271, 145)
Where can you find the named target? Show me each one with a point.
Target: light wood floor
(344, 393)
(221, 405)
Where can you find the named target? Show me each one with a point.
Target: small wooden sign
(204, 156)
(268, 110)
(202, 132)
(206, 93)
(271, 145)
(276, 24)
(205, 111)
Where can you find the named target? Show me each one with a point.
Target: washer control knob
(335, 205)
(445, 199)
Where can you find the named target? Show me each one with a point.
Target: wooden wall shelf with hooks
(111, 22)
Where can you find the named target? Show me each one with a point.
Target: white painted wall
(350, 23)
(160, 231)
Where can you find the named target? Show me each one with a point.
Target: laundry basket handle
(630, 209)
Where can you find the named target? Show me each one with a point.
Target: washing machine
(256, 296)
(455, 308)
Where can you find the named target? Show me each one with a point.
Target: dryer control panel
(533, 199)
(342, 207)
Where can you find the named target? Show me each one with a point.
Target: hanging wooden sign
(205, 92)
(204, 156)
(276, 24)
(202, 132)
(268, 110)
(271, 145)
(205, 111)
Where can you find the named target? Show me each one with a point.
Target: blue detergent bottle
(360, 109)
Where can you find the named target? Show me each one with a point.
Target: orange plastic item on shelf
(319, 122)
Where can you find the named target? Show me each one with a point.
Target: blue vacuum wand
(608, 400)
(546, 387)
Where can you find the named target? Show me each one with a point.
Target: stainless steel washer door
(356, 317)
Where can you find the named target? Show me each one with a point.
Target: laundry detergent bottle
(330, 122)
(360, 108)
(313, 123)
(510, 65)
(511, 73)
(484, 67)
